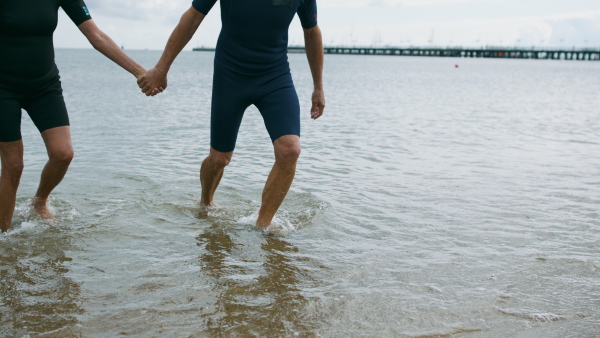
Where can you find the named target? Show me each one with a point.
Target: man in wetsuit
(251, 67)
(29, 80)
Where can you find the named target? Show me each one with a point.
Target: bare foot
(206, 205)
(263, 222)
(262, 225)
(40, 205)
(205, 209)
(278, 228)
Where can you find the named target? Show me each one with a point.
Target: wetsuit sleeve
(307, 12)
(203, 6)
(76, 10)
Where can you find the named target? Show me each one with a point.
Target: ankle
(263, 222)
(39, 201)
(207, 204)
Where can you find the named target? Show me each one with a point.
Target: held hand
(152, 82)
(318, 104)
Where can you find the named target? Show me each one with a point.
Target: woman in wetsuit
(29, 80)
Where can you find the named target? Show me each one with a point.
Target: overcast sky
(147, 24)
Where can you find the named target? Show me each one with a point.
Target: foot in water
(279, 229)
(41, 207)
(276, 227)
(205, 209)
(263, 222)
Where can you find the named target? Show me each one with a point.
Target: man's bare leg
(60, 153)
(11, 154)
(287, 151)
(211, 173)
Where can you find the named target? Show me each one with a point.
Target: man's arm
(313, 42)
(105, 45)
(155, 79)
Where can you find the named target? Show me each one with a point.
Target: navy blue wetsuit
(251, 66)
(28, 75)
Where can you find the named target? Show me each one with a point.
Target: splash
(27, 211)
(23, 228)
(26, 219)
(279, 226)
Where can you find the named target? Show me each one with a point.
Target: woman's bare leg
(60, 153)
(11, 154)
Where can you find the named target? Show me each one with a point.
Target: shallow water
(429, 201)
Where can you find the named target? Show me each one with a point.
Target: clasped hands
(153, 81)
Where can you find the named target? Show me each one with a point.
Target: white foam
(111, 207)
(278, 227)
(24, 209)
(27, 211)
(23, 227)
(70, 214)
(546, 317)
(249, 220)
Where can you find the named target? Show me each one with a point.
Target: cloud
(395, 3)
(574, 28)
(163, 10)
(137, 24)
(533, 36)
(148, 24)
(575, 32)
(577, 29)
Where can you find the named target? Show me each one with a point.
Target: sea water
(430, 201)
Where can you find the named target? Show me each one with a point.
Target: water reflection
(257, 292)
(35, 293)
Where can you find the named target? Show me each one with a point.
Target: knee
(13, 169)
(219, 160)
(63, 156)
(288, 151)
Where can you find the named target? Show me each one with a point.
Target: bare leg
(11, 154)
(211, 173)
(60, 153)
(287, 151)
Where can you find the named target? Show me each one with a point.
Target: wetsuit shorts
(251, 66)
(45, 106)
(272, 93)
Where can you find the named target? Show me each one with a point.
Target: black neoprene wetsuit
(28, 74)
(251, 66)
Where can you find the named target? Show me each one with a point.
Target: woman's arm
(156, 78)
(105, 45)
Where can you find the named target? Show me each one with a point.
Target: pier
(491, 52)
